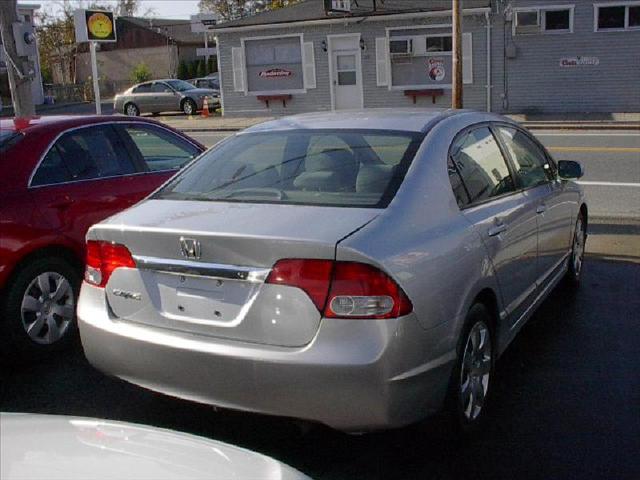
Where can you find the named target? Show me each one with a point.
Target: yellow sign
(101, 26)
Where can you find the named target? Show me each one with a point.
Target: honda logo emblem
(190, 248)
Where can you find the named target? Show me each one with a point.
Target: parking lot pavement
(566, 404)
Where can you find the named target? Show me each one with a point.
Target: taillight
(103, 258)
(344, 289)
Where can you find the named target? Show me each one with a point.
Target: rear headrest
(374, 178)
(336, 159)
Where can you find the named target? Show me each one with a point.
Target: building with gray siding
(519, 56)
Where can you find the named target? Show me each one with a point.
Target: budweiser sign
(275, 73)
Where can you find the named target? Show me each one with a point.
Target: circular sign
(437, 71)
(99, 25)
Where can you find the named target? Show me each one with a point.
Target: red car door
(86, 176)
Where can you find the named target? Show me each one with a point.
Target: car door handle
(541, 208)
(498, 228)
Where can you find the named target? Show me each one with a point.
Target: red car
(59, 176)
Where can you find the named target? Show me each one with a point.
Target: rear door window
(146, 88)
(160, 149)
(322, 167)
(481, 165)
(84, 154)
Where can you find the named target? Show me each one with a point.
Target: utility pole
(456, 10)
(19, 69)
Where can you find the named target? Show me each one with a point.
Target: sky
(160, 8)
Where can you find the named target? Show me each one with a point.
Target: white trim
(626, 5)
(421, 87)
(542, 19)
(347, 20)
(359, 76)
(308, 65)
(489, 86)
(420, 27)
(272, 92)
(382, 52)
(219, 63)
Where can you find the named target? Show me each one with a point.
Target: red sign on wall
(276, 73)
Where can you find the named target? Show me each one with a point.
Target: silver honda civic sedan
(361, 269)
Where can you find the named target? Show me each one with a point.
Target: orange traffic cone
(205, 108)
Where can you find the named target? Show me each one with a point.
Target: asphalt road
(611, 160)
(566, 403)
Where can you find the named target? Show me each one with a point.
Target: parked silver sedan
(358, 269)
(165, 96)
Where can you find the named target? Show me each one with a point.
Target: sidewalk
(196, 124)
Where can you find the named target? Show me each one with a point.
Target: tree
(232, 9)
(212, 67)
(201, 70)
(127, 8)
(183, 70)
(141, 73)
(57, 42)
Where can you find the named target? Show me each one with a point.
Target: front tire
(472, 378)
(189, 107)
(39, 311)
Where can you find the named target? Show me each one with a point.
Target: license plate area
(204, 300)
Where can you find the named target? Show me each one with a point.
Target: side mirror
(570, 170)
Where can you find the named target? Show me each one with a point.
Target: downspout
(219, 65)
(489, 86)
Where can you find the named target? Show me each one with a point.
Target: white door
(347, 79)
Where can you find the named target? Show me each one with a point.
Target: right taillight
(103, 258)
(344, 289)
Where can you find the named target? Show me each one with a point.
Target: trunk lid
(221, 293)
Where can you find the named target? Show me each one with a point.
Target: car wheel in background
(39, 310)
(189, 107)
(131, 109)
(576, 260)
(471, 381)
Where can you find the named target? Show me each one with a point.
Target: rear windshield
(350, 168)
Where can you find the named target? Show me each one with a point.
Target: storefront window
(274, 64)
(426, 60)
(634, 16)
(557, 20)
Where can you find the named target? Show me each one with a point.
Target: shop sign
(579, 61)
(436, 69)
(276, 73)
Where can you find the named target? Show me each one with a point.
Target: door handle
(541, 208)
(62, 203)
(498, 228)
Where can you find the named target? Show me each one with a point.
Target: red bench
(267, 98)
(433, 93)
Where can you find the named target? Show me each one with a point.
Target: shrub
(141, 73)
(183, 71)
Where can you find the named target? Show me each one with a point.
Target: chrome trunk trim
(202, 269)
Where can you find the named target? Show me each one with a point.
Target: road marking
(611, 184)
(596, 149)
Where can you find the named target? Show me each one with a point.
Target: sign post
(95, 26)
(204, 23)
(456, 97)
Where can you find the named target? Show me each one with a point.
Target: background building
(519, 56)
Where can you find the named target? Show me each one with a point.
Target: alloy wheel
(132, 110)
(578, 247)
(476, 370)
(48, 308)
(188, 107)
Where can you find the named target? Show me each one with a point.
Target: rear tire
(576, 259)
(471, 382)
(131, 110)
(189, 107)
(39, 308)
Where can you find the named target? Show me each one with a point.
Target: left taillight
(103, 258)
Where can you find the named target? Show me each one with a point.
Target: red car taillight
(103, 258)
(344, 289)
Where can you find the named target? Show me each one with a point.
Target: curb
(581, 126)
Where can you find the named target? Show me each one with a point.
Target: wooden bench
(267, 98)
(433, 93)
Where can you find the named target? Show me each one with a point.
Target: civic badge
(190, 248)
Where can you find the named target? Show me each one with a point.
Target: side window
(160, 149)
(146, 88)
(159, 88)
(481, 166)
(84, 154)
(529, 160)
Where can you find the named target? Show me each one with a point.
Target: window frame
(624, 4)
(542, 19)
(256, 93)
(112, 124)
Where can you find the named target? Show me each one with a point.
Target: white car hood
(57, 447)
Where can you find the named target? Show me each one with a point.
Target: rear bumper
(354, 376)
